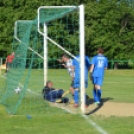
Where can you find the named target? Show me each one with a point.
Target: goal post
(45, 54)
(68, 9)
(82, 55)
(40, 42)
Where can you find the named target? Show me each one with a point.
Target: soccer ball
(17, 90)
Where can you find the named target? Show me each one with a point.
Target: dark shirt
(46, 90)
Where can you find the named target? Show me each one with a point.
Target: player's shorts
(53, 95)
(77, 83)
(97, 80)
(8, 65)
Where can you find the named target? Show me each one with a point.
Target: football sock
(99, 92)
(95, 95)
(76, 96)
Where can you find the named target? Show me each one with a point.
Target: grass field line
(100, 129)
(29, 90)
(91, 122)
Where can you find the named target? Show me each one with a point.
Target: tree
(108, 23)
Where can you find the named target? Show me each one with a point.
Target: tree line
(108, 23)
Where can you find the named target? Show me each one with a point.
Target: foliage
(110, 26)
(107, 23)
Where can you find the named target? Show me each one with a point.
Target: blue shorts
(97, 80)
(77, 83)
(53, 95)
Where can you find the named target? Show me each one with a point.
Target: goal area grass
(118, 87)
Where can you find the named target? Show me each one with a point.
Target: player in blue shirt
(76, 65)
(98, 65)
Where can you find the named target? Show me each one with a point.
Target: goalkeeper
(53, 95)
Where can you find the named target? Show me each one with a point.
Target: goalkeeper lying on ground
(54, 95)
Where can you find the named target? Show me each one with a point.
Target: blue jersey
(100, 63)
(76, 65)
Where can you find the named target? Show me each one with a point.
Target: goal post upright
(82, 57)
(45, 54)
(43, 32)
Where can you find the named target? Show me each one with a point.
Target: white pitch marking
(97, 127)
(102, 131)
(29, 90)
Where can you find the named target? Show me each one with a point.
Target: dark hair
(100, 50)
(65, 55)
(48, 82)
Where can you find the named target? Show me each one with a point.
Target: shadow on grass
(91, 101)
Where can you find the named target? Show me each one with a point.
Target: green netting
(27, 70)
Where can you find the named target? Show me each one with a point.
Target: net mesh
(27, 70)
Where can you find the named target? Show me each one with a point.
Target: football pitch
(118, 90)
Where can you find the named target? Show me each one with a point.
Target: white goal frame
(81, 47)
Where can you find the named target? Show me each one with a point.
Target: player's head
(12, 53)
(100, 50)
(49, 84)
(64, 57)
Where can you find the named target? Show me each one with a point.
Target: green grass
(118, 87)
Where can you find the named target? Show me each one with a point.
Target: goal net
(37, 45)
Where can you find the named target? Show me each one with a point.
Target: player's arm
(91, 70)
(106, 65)
(60, 60)
(92, 67)
(88, 64)
(71, 67)
(65, 65)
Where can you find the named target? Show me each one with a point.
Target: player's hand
(59, 60)
(64, 65)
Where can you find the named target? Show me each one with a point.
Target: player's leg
(98, 94)
(86, 96)
(94, 81)
(54, 95)
(57, 96)
(71, 89)
(57, 93)
(86, 85)
(76, 86)
(76, 97)
(98, 89)
(6, 67)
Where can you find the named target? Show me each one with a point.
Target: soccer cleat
(65, 100)
(58, 100)
(65, 93)
(97, 103)
(87, 97)
(72, 102)
(76, 105)
(86, 106)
